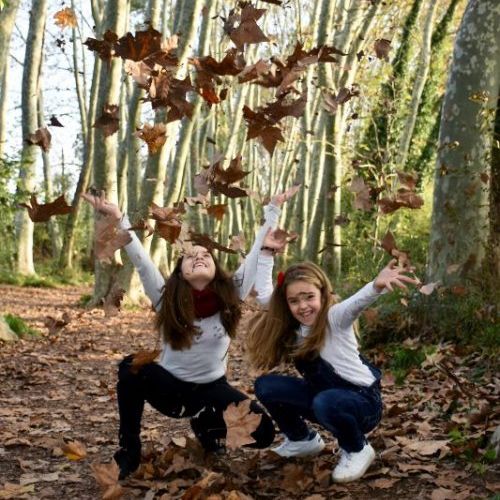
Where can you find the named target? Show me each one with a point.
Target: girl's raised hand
(275, 241)
(280, 198)
(392, 275)
(102, 205)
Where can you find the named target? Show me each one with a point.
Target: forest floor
(59, 388)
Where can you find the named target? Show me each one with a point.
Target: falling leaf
(382, 47)
(142, 358)
(108, 121)
(142, 225)
(217, 211)
(74, 450)
(105, 47)
(54, 122)
(112, 301)
(41, 137)
(66, 18)
(240, 422)
(169, 231)
(109, 238)
(254, 71)
(154, 136)
(42, 213)
(205, 241)
(265, 128)
(248, 30)
(139, 46)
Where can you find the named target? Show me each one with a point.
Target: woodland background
(386, 115)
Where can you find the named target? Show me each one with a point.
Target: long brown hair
(176, 316)
(273, 339)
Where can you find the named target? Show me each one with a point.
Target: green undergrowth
(466, 319)
(19, 326)
(47, 276)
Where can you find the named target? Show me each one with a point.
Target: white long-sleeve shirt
(206, 359)
(341, 345)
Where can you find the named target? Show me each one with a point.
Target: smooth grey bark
(29, 103)
(48, 184)
(7, 19)
(460, 217)
(418, 87)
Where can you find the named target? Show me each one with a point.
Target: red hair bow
(280, 279)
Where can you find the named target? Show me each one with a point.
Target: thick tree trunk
(7, 18)
(106, 148)
(460, 218)
(30, 88)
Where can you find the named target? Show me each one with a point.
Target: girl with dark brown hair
(198, 310)
(339, 389)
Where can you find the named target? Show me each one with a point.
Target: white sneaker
(352, 466)
(304, 448)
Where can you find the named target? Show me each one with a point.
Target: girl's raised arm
(151, 278)
(244, 277)
(343, 314)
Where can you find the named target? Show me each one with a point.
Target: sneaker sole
(311, 453)
(348, 479)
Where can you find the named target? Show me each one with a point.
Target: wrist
(268, 250)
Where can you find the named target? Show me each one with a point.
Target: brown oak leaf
(108, 121)
(42, 213)
(109, 238)
(154, 136)
(65, 18)
(41, 137)
(240, 422)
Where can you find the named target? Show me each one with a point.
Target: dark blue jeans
(348, 411)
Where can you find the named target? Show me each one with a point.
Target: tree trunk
(48, 185)
(30, 88)
(418, 87)
(460, 217)
(106, 148)
(7, 18)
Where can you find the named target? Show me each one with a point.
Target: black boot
(128, 457)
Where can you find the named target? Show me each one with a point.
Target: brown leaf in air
(382, 47)
(41, 137)
(142, 358)
(169, 231)
(205, 241)
(154, 136)
(65, 18)
(55, 325)
(217, 211)
(248, 30)
(139, 46)
(240, 422)
(42, 213)
(105, 47)
(108, 121)
(109, 238)
(112, 301)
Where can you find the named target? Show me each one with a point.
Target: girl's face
(304, 301)
(198, 267)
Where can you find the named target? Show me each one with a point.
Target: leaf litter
(433, 434)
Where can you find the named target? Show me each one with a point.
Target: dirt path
(60, 387)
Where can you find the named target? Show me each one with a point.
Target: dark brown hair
(176, 316)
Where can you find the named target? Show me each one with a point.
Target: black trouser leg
(209, 426)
